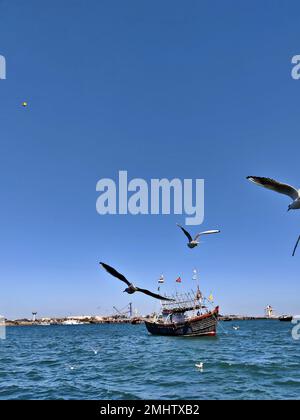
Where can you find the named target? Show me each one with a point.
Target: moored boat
(286, 318)
(193, 326)
(72, 322)
(186, 316)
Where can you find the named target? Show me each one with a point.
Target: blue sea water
(260, 361)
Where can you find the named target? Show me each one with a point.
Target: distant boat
(286, 318)
(185, 317)
(136, 321)
(226, 319)
(72, 322)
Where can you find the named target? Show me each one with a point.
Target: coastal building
(269, 312)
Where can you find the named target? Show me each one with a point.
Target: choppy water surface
(260, 361)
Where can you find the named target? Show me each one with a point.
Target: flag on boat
(195, 275)
(178, 280)
(211, 298)
(161, 279)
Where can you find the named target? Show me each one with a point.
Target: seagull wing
(296, 246)
(154, 295)
(207, 232)
(273, 185)
(186, 233)
(115, 273)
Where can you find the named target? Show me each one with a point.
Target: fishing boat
(286, 318)
(72, 322)
(186, 316)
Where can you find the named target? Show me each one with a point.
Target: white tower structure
(269, 311)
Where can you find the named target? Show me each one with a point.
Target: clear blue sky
(162, 89)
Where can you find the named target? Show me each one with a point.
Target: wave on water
(125, 362)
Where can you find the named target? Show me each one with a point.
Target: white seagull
(199, 365)
(280, 188)
(195, 242)
(71, 367)
(95, 351)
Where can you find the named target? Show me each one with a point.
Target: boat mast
(198, 295)
(161, 281)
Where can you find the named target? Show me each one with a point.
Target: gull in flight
(71, 367)
(280, 188)
(296, 246)
(195, 242)
(131, 287)
(95, 351)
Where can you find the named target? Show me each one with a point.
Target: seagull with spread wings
(195, 242)
(296, 246)
(131, 287)
(280, 188)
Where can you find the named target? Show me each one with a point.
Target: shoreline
(74, 321)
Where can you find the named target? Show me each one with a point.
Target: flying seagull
(276, 186)
(71, 367)
(285, 189)
(131, 287)
(95, 351)
(195, 242)
(296, 246)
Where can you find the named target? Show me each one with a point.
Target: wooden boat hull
(286, 319)
(199, 326)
